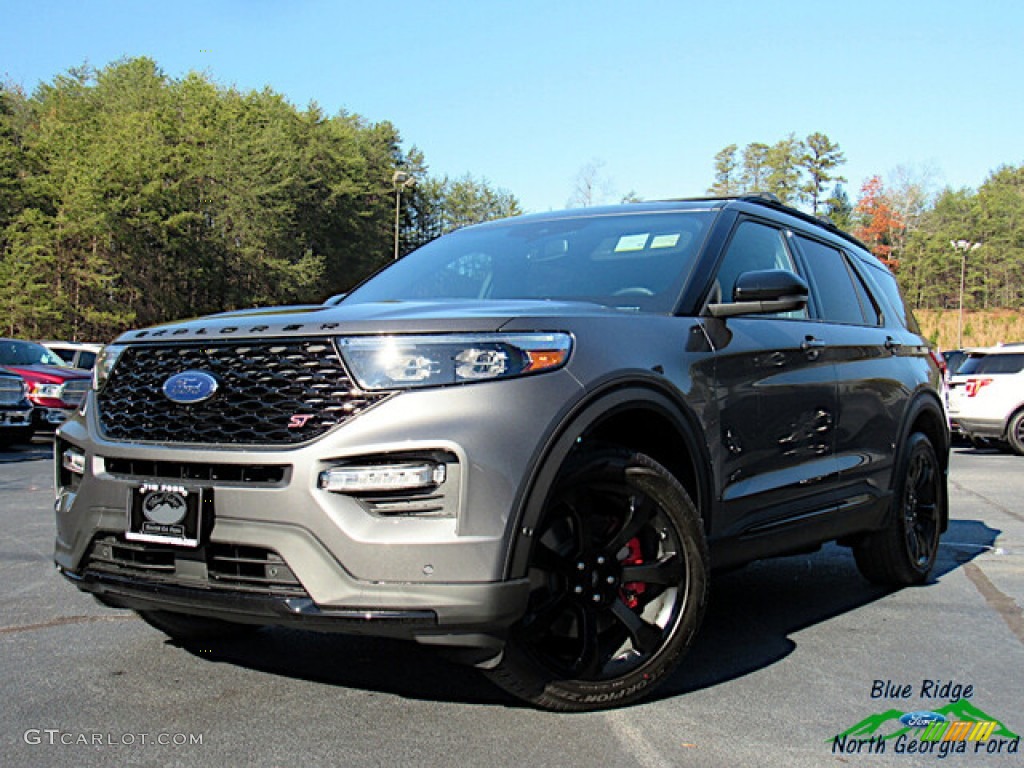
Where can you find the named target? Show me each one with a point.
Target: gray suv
(529, 443)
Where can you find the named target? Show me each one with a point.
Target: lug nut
(581, 566)
(610, 579)
(578, 589)
(596, 598)
(600, 560)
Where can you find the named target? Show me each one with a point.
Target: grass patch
(980, 328)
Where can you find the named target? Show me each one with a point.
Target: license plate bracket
(164, 513)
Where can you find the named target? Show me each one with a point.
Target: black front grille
(215, 566)
(270, 393)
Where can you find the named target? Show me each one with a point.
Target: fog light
(73, 460)
(382, 477)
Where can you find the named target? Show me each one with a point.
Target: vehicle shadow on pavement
(21, 452)
(374, 664)
(752, 614)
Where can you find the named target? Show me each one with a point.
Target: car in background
(77, 354)
(54, 388)
(986, 397)
(954, 359)
(15, 410)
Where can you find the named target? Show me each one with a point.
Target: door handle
(812, 347)
(810, 343)
(892, 345)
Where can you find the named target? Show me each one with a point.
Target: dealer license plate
(164, 513)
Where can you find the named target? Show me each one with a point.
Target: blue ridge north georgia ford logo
(190, 387)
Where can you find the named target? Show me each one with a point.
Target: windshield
(1000, 363)
(635, 261)
(13, 352)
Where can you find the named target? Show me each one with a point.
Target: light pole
(401, 180)
(963, 246)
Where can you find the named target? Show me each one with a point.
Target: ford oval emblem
(189, 387)
(921, 719)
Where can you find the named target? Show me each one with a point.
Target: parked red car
(53, 388)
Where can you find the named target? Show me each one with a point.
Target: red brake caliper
(632, 590)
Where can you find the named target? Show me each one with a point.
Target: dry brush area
(980, 328)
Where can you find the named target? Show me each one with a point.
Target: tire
(903, 553)
(1015, 433)
(190, 629)
(980, 443)
(619, 574)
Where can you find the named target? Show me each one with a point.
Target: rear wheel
(619, 576)
(1015, 433)
(185, 628)
(904, 552)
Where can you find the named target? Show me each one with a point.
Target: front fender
(584, 422)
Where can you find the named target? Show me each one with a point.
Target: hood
(370, 318)
(48, 374)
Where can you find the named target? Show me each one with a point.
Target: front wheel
(903, 553)
(619, 579)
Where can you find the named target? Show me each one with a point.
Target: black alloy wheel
(904, 552)
(920, 509)
(618, 572)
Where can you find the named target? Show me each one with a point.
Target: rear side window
(839, 290)
(1012, 363)
(885, 281)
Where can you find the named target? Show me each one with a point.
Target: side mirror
(764, 292)
(335, 299)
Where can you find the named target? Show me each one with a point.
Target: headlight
(400, 362)
(49, 391)
(105, 362)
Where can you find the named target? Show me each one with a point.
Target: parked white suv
(986, 396)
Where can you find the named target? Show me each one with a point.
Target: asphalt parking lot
(793, 653)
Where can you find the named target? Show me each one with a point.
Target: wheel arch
(927, 416)
(1008, 425)
(638, 415)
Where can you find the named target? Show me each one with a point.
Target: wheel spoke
(915, 544)
(646, 637)
(923, 545)
(589, 661)
(538, 622)
(580, 509)
(925, 482)
(641, 512)
(667, 571)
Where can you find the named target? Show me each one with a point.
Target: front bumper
(51, 418)
(435, 574)
(15, 418)
(456, 620)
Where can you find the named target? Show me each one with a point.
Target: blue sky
(525, 94)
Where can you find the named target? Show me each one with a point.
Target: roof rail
(769, 200)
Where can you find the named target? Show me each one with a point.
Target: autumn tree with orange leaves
(879, 225)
